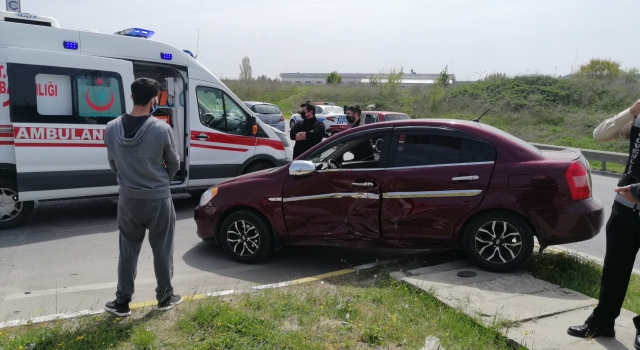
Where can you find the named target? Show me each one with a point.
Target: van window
(218, 111)
(43, 94)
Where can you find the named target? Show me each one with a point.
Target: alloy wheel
(498, 242)
(10, 207)
(243, 238)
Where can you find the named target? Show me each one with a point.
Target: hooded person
(141, 150)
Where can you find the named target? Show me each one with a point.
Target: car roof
(253, 103)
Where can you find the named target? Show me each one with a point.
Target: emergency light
(70, 45)
(137, 33)
(166, 56)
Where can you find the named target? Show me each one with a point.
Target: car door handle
(202, 137)
(362, 184)
(466, 178)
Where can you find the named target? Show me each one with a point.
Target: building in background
(408, 80)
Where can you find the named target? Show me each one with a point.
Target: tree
(600, 69)
(334, 78)
(443, 79)
(263, 78)
(245, 69)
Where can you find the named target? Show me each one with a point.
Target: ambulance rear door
(60, 104)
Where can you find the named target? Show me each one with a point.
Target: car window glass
(424, 149)
(348, 153)
(369, 119)
(319, 110)
(266, 109)
(218, 111)
(390, 117)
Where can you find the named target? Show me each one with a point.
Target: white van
(59, 88)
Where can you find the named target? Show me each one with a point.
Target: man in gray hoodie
(142, 152)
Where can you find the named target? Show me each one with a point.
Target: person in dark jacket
(363, 151)
(308, 132)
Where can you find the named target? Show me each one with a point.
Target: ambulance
(59, 88)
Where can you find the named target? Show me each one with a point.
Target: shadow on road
(70, 218)
(291, 262)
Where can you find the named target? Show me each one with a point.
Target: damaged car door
(340, 199)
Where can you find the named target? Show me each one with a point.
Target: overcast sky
(367, 36)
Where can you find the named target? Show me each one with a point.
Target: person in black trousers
(623, 231)
(308, 132)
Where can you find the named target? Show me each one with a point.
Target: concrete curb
(355, 269)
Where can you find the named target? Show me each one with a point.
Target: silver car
(269, 113)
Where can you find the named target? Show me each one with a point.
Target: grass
(577, 273)
(349, 312)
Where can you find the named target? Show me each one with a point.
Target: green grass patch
(343, 313)
(579, 274)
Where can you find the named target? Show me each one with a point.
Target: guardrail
(599, 156)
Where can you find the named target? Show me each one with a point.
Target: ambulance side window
(43, 94)
(218, 111)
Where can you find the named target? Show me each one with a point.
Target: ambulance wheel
(252, 168)
(12, 212)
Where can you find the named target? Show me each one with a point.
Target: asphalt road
(65, 258)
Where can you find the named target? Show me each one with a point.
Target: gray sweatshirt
(140, 161)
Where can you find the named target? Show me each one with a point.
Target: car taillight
(281, 118)
(578, 180)
(331, 119)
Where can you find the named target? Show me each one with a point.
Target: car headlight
(283, 138)
(208, 195)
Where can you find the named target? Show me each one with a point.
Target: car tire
(252, 168)
(292, 123)
(485, 245)
(12, 212)
(244, 231)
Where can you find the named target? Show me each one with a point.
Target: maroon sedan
(436, 183)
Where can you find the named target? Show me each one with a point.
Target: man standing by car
(308, 132)
(142, 152)
(623, 231)
(364, 150)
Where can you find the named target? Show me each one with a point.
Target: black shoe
(120, 310)
(586, 331)
(170, 302)
(636, 344)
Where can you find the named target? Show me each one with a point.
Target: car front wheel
(246, 237)
(498, 241)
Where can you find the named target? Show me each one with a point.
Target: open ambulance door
(60, 104)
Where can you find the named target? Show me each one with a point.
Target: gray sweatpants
(135, 216)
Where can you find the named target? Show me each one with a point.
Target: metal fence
(599, 156)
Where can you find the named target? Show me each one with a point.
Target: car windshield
(266, 109)
(333, 109)
(390, 117)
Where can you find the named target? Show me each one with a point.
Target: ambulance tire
(246, 237)
(20, 212)
(257, 166)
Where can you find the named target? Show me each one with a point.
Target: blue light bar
(70, 45)
(166, 56)
(137, 33)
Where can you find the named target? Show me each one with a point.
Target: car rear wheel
(498, 241)
(12, 212)
(292, 123)
(246, 237)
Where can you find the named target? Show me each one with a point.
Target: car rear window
(333, 109)
(390, 117)
(266, 109)
(513, 139)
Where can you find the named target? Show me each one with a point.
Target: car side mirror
(301, 167)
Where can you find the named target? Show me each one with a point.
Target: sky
(472, 38)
